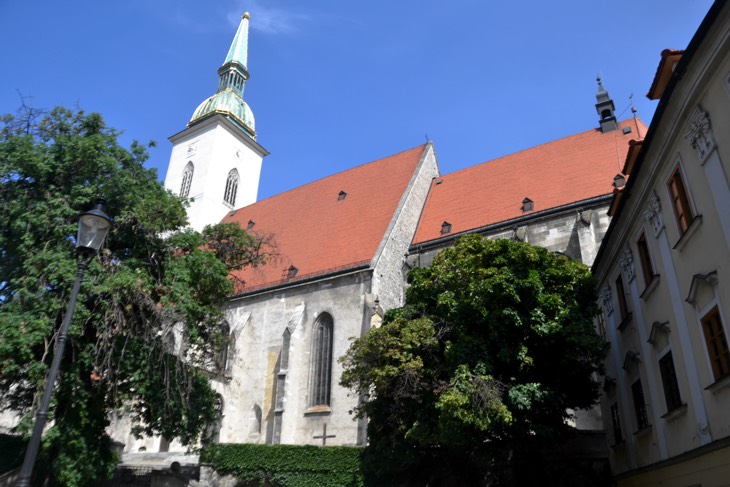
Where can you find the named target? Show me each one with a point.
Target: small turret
(605, 109)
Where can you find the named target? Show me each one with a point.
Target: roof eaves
(670, 58)
(242, 292)
(533, 216)
(631, 155)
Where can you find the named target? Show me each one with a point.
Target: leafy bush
(12, 451)
(287, 465)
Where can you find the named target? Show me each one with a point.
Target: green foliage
(12, 450)
(287, 465)
(151, 279)
(495, 344)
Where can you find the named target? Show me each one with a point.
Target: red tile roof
(318, 232)
(670, 58)
(575, 168)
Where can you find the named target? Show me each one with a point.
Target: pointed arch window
(229, 197)
(187, 180)
(321, 367)
(256, 419)
(213, 431)
(222, 356)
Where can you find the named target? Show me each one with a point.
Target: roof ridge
(328, 176)
(551, 142)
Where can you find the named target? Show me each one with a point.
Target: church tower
(605, 109)
(216, 161)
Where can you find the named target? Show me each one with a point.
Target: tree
(473, 378)
(152, 278)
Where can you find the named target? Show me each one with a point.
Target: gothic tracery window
(222, 356)
(229, 197)
(187, 179)
(321, 367)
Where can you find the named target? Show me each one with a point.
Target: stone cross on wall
(324, 435)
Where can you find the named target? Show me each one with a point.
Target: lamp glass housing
(93, 228)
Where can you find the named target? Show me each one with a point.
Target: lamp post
(93, 228)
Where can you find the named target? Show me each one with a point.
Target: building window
(669, 382)
(229, 197)
(256, 420)
(213, 431)
(623, 306)
(445, 228)
(637, 393)
(716, 344)
(680, 202)
(616, 425)
(646, 266)
(222, 356)
(187, 180)
(601, 319)
(321, 380)
(285, 342)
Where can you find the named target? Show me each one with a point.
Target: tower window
(229, 197)
(321, 368)
(187, 180)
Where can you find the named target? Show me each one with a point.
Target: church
(344, 245)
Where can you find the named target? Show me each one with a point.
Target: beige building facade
(664, 278)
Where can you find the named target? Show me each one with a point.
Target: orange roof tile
(575, 168)
(670, 58)
(319, 232)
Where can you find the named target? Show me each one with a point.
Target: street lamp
(93, 228)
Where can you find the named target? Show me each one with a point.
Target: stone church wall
(575, 232)
(252, 388)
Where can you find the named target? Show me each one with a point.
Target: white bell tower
(216, 161)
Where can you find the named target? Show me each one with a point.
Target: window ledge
(675, 413)
(315, 410)
(649, 290)
(687, 235)
(625, 322)
(643, 431)
(719, 385)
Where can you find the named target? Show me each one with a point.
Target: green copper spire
(232, 77)
(239, 47)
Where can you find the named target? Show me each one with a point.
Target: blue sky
(338, 84)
